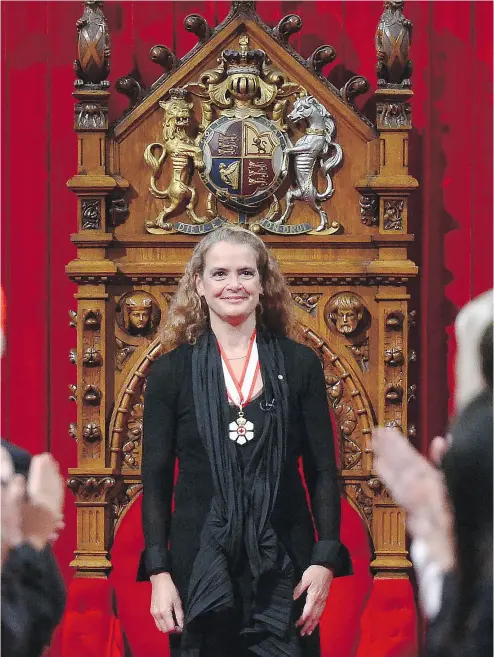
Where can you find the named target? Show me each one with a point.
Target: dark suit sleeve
(33, 600)
(158, 465)
(319, 463)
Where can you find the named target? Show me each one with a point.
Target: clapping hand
(419, 488)
(43, 517)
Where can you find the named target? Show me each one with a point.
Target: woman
(237, 403)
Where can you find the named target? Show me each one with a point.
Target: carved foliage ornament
(347, 420)
(134, 434)
(123, 353)
(393, 214)
(369, 210)
(91, 213)
(91, 116)
(307, 301)
(125, 497)
(91, 489)
(241, 151)
(394, 115)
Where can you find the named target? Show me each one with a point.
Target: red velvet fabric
(90, 627)
(450, 154)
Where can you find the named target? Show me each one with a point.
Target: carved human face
(230, 282)
(139, 318)
(347, 320)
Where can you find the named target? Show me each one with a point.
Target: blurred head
(470, 325)
(231, 274)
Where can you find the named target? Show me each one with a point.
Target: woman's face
(230, 283)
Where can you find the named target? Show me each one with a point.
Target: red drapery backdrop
(450, 155)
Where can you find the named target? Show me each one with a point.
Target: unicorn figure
(316, 146)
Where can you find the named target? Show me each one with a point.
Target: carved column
(389, 519)
(94, 517)
(92, 270)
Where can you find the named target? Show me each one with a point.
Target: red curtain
(451, 155)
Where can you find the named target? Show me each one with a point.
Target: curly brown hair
(188, 315)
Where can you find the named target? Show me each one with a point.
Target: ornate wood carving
(354, 87)
(131, 88)
(93, 65)
(91, 213)
(287, 26)
(393, 37)
(164, 57)
(307, 301)
(345, 242)
(369, 210)
(393, 214)
(320, 57)
(198, 26)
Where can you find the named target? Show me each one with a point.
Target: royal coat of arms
(242, 149)
(244, 160)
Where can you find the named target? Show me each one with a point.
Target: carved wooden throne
(347, 267)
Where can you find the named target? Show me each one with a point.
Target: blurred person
(470, 325)
(436, 502)
(463, 626)
(33, 594)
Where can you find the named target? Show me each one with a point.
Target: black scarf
(239, 518)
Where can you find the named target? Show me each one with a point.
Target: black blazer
(170, 433)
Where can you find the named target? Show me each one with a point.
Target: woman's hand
(316, 580)
(166, 607)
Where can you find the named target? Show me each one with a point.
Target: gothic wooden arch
(345, 256)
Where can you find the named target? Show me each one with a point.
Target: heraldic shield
(244, 160)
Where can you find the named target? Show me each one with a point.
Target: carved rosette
(91, 383)
(394, 364)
